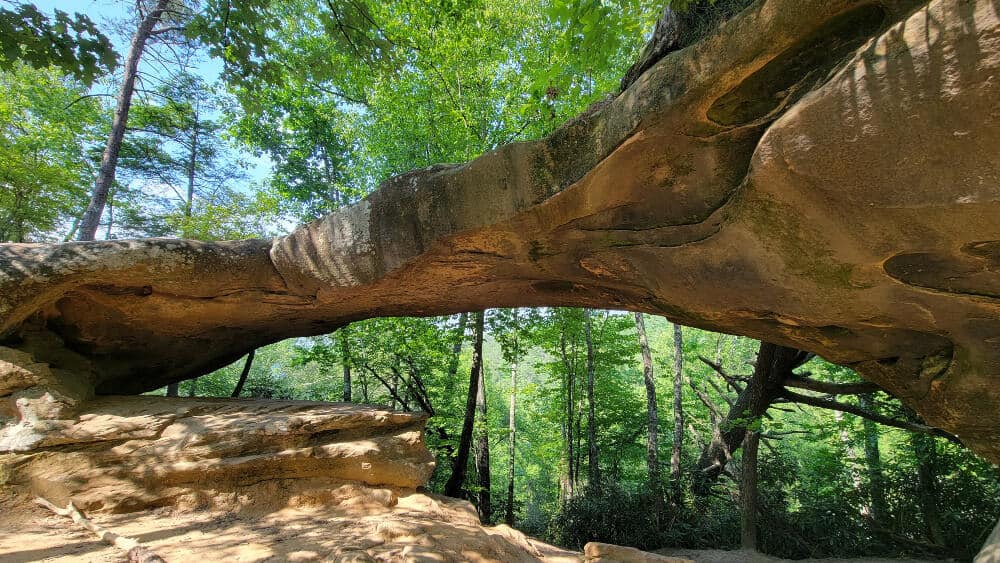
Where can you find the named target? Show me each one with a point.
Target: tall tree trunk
(593, 463)
(111, 216)
(483, 448)
(852, 459)
(925, 450)
(652, 416)
(191, 168)
(675, 451)
(194, 388)
(570, 368)
(109, 160)
(173, 389)
(72, 231)
(578, 447)
(512, 435)
(394, 390)
(456, 354)
(873, 460)
(748, 492)
(461, 462)
(243, 374)
(345, 359)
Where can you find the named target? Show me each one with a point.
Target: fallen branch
(137, 553)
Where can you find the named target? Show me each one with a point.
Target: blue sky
(102, 12)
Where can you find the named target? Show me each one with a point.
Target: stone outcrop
(817, 173)
(135, 452)
(596, 552)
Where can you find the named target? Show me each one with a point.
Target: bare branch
(722, 393)
(165, 30)
(705, 400)
(831, 388)
(831, 404)
(85, 96)
(731, 380)
(136, 551)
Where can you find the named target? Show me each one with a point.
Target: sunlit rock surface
(128, 453)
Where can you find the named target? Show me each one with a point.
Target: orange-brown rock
(821, 174)
(133, 452)
(596, 552)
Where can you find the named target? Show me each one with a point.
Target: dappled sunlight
(369, 523)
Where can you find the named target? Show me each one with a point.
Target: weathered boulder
(817, 173)
(596, 552)
(134, 452)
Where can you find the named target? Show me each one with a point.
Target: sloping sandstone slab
(134, 452)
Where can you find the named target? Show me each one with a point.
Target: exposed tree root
(137, 553)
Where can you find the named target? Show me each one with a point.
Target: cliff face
(817, 173)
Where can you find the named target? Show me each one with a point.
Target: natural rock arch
(816, 173)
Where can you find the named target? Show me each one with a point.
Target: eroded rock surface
(364, 524)
(817, 173)
(596, 552)
(134, 452)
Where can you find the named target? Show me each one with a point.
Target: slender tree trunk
(173, 389)
(109, 160)
(748, 493)
(568, 428)
(675, 451)
(578, 447)
(192, 162)
(394, 390)
(345, 359)
(243, 374)
(652, 417)
(111, 217)
(72, 231)
(852, 458)
(512, 435)
(873, 460)
(364, 388)
(483, 449)
(460, 465)
(593, 460)
(456, 354)
(925, 451)
(194, 388)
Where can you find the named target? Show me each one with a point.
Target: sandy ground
(416, 528)
(419, 527)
